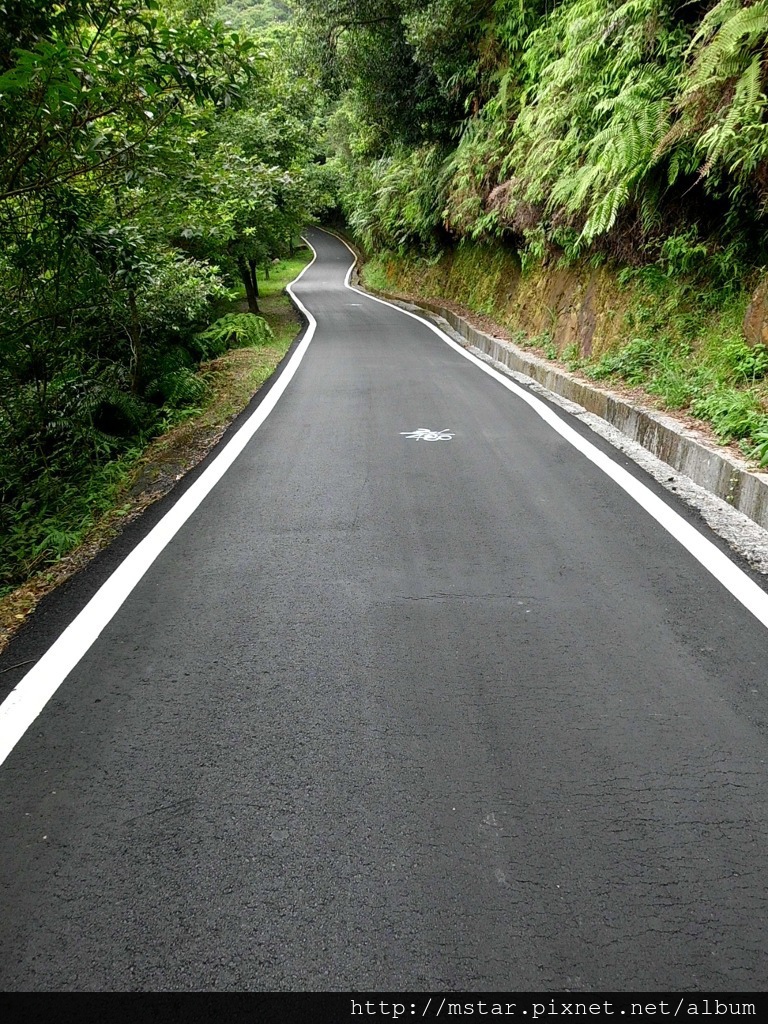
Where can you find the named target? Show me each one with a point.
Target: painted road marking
(423, 434)
(25, 702)
(726, 572)
(22, 706)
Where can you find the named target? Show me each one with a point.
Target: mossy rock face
(573, 306)
(755, 325)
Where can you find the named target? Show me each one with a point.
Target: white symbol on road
(422, 434)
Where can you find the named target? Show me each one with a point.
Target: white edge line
(734, 579)
(25, 702)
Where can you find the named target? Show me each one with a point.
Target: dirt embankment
(580, 315)
(578, 309)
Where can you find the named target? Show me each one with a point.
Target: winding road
(432, 690)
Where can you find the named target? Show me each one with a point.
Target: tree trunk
(134, 337)
(251, 290)
(254, 280)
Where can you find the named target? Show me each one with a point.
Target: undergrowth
(687, 349)
(37, 533)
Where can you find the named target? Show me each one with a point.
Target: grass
(693, 357)
(95, 510)
(376, 276)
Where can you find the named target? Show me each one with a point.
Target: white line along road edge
(704, 551)
(25, 702)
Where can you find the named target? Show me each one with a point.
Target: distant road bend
(434, 690)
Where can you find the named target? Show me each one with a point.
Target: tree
(97, 100)
(384, 52)
(254, 181)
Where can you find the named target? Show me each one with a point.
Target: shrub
(233, 330)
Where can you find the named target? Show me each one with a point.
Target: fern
(722, 101)
(603, 215)
(738, 29)
(605, 114)
(234, 330)
(179, 387)
(588, 137)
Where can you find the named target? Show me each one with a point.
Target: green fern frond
(572, 192)
(713, 20)
(748, 88)
(738, 31)
(234, 330)
(603, 216)
(179, 387)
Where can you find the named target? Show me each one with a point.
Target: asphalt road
(394, 713)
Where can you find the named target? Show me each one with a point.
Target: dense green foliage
(571, 128)
(254, 15)
(564, 132)
(151, 159)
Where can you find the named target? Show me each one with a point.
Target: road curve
(392, 712)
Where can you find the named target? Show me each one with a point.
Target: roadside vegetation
(535, 139)
(148, 471)
(154, 162)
